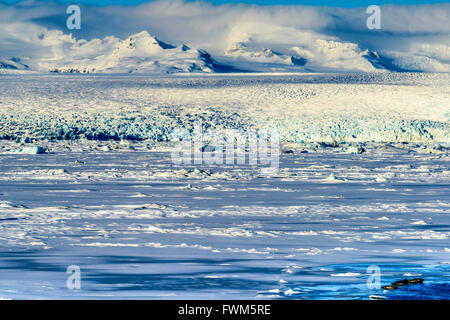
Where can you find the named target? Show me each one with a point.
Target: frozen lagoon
(139, 226)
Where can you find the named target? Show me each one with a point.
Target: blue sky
(335, 3)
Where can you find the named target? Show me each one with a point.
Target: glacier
(363, 180)
(308, 108)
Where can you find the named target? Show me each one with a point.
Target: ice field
(363, 180)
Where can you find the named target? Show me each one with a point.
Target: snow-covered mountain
(262, 59)
(144, 53)
(222, 38)
(320, 55)
(13, 64)
(139, 53)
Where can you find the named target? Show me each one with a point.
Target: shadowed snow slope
(12, 64)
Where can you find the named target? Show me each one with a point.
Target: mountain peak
(13, 64)
(144, 53)
(139, 53)
(142, 42)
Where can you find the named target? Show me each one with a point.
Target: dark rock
(416, 281)
(389, 287)
(400, 282)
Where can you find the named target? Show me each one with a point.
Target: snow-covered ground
(363, 180)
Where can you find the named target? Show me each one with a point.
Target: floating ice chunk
(156, 206)
(291, 292)
(105, 148)
(274, 291)
(347, 274)
(189, 187)
(333, 178)
(312, 252)
(343, 249)
(209, 148)
(287, 270)
(138, 195)
(30, 150)
(354, 149)
(37, 243)
(199, 172)
(433, 235)
(303, 233)
(6, 204)
(381, 179)
(419, 222)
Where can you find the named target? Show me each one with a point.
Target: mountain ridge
(145, 53)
